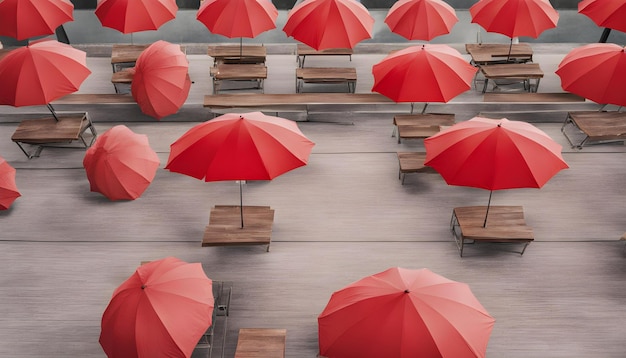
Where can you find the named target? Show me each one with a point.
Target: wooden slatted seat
(505, 224)
(325, 75)
(524, 72)
(261, 343)
(412, 162)
(420, 126)
(225, 229)
(595, 126)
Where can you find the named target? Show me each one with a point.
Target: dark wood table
(525, 72)
(233, 54)
(485, 54)
(421, 125)
(340, 75)
(302, 51)
(596, 127)
(255, 73)
(225, 229)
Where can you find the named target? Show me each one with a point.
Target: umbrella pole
(508, 56)
(424, 109)
(54, 114)
(241, 202)
(240, 47)
(487, 212)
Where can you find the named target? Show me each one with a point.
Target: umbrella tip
(499, 124)
(143, 287)
(407, 291)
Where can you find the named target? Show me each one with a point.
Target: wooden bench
(596, 127)
(420, 126)
(532, 97)
(225, 229)
(505, 224)
(122, 80)
(231, 54)
(95, 98)
(48, 131)
(255, 73)
(485, 54)
(524, 72)
(302, 51)
(412, 162)
(261, 343)
(325, 75)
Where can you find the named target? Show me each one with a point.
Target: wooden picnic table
(420, 125)
(485, 54)
(256, 73)
(341, 75)
(302, 51)
(596, 127)
(233, 54)
(225, 229)
(513, 71)
(261, 343)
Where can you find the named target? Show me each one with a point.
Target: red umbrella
(423, 73)
(246, 146)
(8, 189)
(128, 16)
(161, 82)
(404, 313)
(515, 18)
(120, 165)
(421, 19)
(596, 72)
(162, 310)
(23, 19)
(605, 13)
(238, 18)
(494, 154)
(40, 73)
(324, 24)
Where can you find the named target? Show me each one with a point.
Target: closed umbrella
(120, 165)
(161, 82)
(325, 24)
(128, 16)
(494, 154)
(404, 313)
(596, 72)
(23, 19)
(41, 72)
(421, 19)
(162, 310)
(423, 73)
(8, 188)
(240, 146)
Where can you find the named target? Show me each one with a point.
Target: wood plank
(528, 97)
(49, 130)
(259, 100)
(512, 71)
(225, 229)
(261, 343)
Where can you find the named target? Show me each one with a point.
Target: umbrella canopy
(246, 146)
(423, 73)
(494, 154)
(238, 18)
(120, 165)
(515, 18)
(23, 19)
(404, 313)
(596, 72)
(8, 189)
(128, 16)
(161, 310)
(161, 83)
(324, 24)
(605, 13)
(421, 19)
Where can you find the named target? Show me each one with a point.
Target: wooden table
(44, 131)
(524, 72)
(596, 127)
(340, 75)
(255, 73)
(261, 343)
(505, 224)
(225, 229)
(420, 126)
(485, 54)
(302, 51)
(125, 55)
(230, 54)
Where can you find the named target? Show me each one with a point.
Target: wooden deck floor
(63, 250)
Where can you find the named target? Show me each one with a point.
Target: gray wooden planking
(63, 250)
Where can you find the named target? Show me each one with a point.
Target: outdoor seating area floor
(343, 216)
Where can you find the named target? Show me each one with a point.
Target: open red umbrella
(324, 24)
(240, 146)
(8, 189)
(23, 19)
(161, 82)
(162, 310)
(40, 73)
(128, 16)
(515, 18)
(605, 13)
(238, 18)
(421, 19)
(494, 154)
(404, 313)
(596, 72)
(120, 165)
(423, 73)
